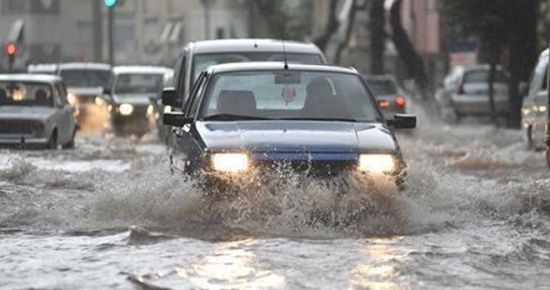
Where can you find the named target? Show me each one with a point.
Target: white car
(535, 105)
(466, 91)
(34, 111)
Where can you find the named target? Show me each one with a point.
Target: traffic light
(110, 3)
(11, 49)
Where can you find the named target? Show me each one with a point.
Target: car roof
(251, 45)
(40, 78)
(379, 78)
(84, 65)
(251, 66)
(141, 69)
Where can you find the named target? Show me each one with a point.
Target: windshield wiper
(319, 119)
(232, 117)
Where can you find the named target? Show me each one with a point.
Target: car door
(67, 123)
(188, 152)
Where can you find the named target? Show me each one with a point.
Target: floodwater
(108, 215)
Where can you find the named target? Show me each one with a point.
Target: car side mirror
(403, 121)
(175, 119)
(170, 98)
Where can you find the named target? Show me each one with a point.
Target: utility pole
(98, 31)
(110, 5)
(206, 5)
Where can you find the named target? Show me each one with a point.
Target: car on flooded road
(34, 112)
(466, 92)
(129, 97)
(197, 56)
(246, 119)
(385, 91)
(85, 83)
(535, 106)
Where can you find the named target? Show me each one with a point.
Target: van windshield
(203, 61)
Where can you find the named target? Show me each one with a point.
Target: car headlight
(126, 109)
(230, 162)
(150, 110)
(167, 109)
(99, 101)
(377, 163)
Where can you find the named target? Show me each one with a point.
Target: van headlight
(126, 109)
(377, 163)
(72, 99)
(230, 162)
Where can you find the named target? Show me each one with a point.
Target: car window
(138, 83)
(86, 77)
(196, 93)
(203, 61)
(482, 76)
(296, 94)
(382, 87)
(17, 93)
(62, 93)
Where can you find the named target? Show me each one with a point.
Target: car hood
(297, 136)
(83, 91)
(133, 99)
(25, 113)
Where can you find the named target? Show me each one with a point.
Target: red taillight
(400, 101)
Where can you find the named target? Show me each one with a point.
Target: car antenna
(284, 52)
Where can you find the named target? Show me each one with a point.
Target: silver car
(129, 97)
(535, 105)
(466, 91)
(34, 111)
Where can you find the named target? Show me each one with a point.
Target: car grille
(310, 168)
(19, 127)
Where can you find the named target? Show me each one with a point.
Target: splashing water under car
(473, 215)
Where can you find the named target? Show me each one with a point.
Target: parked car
(129, 97)
(466, 91)
(386, 92)
(197, 56)
(34, 111)
(248, 119)
(535, 105)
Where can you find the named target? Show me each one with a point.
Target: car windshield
(288, 95)
(482, 76)
(25, 94)
(203, 61)
(382, 87)
(86, 78)
(138, 83)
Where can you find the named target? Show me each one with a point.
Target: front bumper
(15, 140)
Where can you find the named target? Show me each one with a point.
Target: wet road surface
(108, 215)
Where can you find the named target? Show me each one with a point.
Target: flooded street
(108, 215)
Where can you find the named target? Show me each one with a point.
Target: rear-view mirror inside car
(403, 121)
(288, 78)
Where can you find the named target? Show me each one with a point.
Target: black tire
(52, 141)
(70, 144)
(530, 143)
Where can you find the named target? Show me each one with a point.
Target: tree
(501, 25)
(331, 27)
(349, 29)
(377, 35)
(413, 63)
